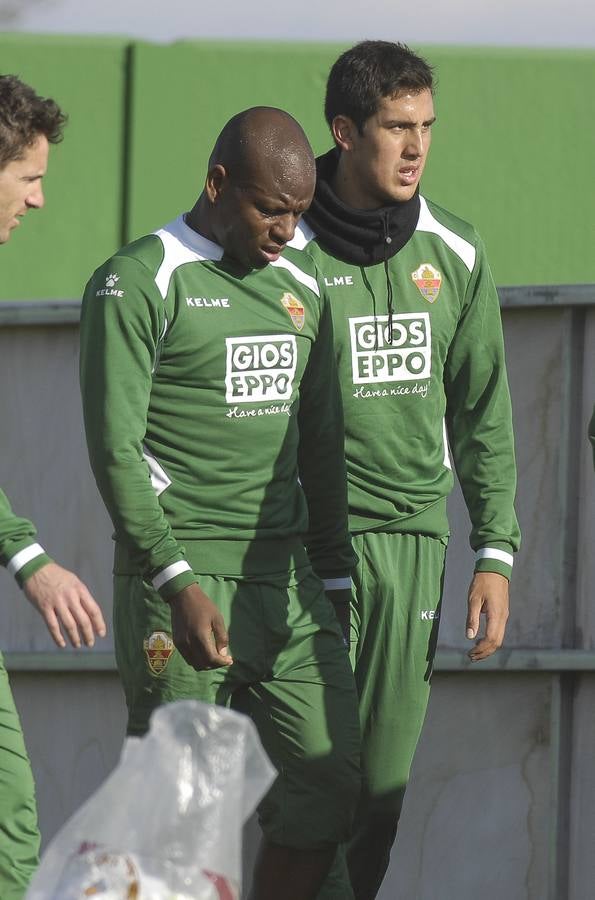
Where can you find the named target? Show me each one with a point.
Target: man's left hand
(488, 596)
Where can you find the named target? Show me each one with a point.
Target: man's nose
(414, 147)
(35, 197)
(284, 228)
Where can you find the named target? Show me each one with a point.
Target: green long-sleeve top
(419, 346)
(213, 415)
(19, 551)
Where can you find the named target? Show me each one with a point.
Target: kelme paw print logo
(112, 279)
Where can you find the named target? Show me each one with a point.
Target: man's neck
(346, 187)
(199, 220)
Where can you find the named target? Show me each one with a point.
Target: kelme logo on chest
(260, 368)
(338, 281)
(295, 309)
(428, 280)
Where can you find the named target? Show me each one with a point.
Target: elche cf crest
(428, 280)
(158, 648)
(295, 310)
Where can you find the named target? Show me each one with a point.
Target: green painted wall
(54, 250)
(513, 146)
(513, 149)
(182, 95)
(514, 153)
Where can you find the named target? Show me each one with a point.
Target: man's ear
(344, 131)
(215, 183)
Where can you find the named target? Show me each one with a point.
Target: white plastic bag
(167, 823)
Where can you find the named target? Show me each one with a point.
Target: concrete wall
(502, 797)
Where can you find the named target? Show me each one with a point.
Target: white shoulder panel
(302, 237)
(457, 244)
(300, 276)
(181, 244)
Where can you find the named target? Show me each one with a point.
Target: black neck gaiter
(359, 236)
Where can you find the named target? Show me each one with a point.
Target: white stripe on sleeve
(170, 572)
(337, 584)
(21, 558)
(494, 553)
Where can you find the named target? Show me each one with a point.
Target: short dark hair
(369, 71)
(23, 117)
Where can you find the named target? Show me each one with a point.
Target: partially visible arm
(479, 423)
(58, 595)
(19, 550)
(321, 458)
(592, 433)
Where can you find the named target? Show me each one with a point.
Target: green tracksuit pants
(394, 631)
(291, 675)
(19, 835)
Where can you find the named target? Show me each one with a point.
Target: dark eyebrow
(407, 123)
(261, 195)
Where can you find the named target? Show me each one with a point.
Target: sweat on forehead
(259, 138)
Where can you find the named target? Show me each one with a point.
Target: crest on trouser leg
(158, 648)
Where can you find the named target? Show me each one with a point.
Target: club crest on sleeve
(158, 648)
(295, 310)
(428, 280)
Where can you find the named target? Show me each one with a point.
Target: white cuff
(337, 584)
(21, 558)
(494, 553)
(170, 572)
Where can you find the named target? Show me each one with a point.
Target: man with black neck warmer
(419, 346)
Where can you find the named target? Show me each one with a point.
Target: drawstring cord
(389, 288)
(368, 287)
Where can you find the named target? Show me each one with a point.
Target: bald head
(261, 179)
(262, 137)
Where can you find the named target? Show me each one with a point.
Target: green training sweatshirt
(205, 388)
(418, 341)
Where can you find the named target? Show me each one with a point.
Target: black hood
(359, 236)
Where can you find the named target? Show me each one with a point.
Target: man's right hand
(65, 602)
(198, 629)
